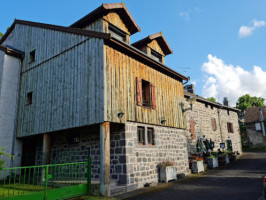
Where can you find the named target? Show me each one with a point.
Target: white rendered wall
(9, 88)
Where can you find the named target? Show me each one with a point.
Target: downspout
(220, 125)
(262, 122)
(188, 78)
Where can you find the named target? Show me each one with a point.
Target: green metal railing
(56, 181)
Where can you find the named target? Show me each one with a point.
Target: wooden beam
(105, 159)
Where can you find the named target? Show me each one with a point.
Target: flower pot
(197, 167)
(223, 160)
(212, 162)
(167, 173)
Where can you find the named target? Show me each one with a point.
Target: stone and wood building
(255, 121)
(84, 90)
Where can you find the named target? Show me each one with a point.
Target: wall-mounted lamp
(163, 121)
(192, 100)
(120, 115)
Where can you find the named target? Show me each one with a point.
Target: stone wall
(202, 116)
(88, 145)
(255, 137)
(142, 160)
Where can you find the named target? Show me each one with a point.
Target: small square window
(141, 135)
(150, 135)
(32, 56)
(156, 56)
(29, 98)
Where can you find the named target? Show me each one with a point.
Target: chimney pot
(226, 102)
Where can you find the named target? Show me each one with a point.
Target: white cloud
(223, 80)
(186, 14)
(246, 31)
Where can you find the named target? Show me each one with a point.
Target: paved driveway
(241, 180)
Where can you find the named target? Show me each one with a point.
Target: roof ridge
(58, 28)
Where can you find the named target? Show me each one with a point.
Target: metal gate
(46, 182)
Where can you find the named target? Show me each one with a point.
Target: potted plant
(167, 171)
(197, 165)
(212, 161)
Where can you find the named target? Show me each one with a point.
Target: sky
(220, 45)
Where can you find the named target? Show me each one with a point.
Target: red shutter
(232, 127)
(139, 91)
(192, 129)
(153, 97)
(228, 129)
(214, 128)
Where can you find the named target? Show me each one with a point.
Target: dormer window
(156, 56)
(117, 33)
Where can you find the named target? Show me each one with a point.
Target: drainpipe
(188, 78)
(220, 125)
(262, 122)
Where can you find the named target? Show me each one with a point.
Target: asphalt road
(241, 180)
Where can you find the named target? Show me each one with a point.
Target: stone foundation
(142, 160)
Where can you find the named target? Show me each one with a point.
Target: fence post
(46, 182)
(89, 176)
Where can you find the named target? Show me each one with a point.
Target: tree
(212, 99)
(1, 34)
(246, 101)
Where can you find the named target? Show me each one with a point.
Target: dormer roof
(103, 10)
(160, 40)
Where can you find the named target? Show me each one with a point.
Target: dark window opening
(206, 105)
(146, 94)
(29, 98)
(230, 127)
(141, 135)
(228, 112)
(73, 138)
(211, 107)
(156, 56)
(32, 56)
(117, 33)
(150, 134)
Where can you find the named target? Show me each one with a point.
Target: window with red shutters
(214, 126)
(230, 127)
(146, 95)
(192, 129)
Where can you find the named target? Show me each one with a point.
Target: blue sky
(221, 42)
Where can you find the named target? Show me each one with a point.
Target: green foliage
(4, 155)
(246, 101)
(1, 34)
(212, 156)
(212, 99)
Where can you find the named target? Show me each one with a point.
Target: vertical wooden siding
(66, 80)
(120, 92)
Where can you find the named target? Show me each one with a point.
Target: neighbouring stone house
(255, 121)
(209, 120)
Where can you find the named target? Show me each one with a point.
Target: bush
(6, 155)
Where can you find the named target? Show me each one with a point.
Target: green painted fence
(46, 182)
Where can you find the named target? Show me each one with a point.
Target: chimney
(226, 102)
(189, 88)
